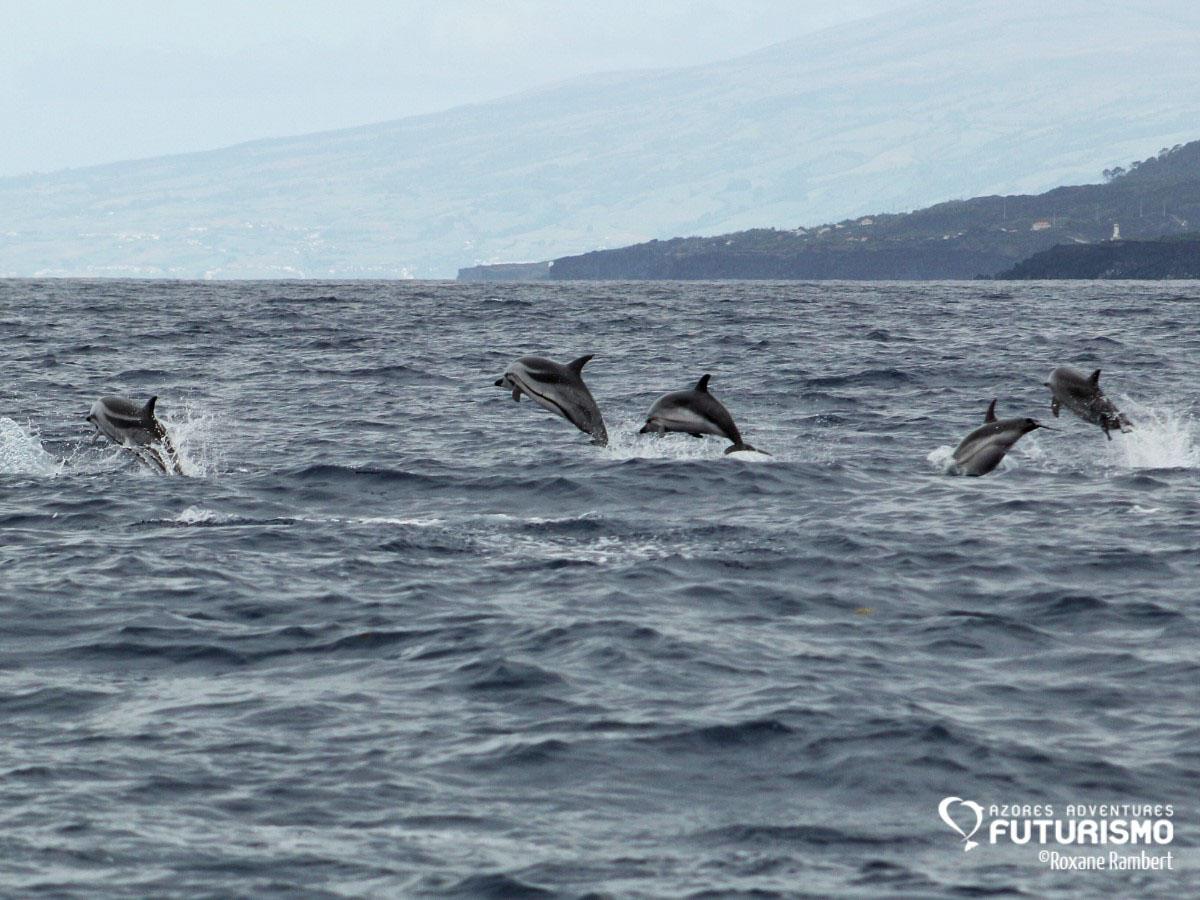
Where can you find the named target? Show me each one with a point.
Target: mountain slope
(955, 98)
(960, 239)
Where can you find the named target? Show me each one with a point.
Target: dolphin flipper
(1055, 406)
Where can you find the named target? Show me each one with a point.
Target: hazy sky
(90, 81)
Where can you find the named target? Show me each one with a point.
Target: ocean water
(396, 635)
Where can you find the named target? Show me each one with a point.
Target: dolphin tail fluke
(152, 458)
(741, 447)
(171, 461)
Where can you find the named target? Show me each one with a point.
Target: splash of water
(1160, 439)
(198, 515)
(194, 434)
(624, 442)
(21, 452)
(942, 459)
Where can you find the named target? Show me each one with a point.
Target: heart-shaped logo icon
(944, 812)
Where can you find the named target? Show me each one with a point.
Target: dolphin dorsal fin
(991, 413)
(148, 410)
(702, 384)
(1095, 377)
(577, 365)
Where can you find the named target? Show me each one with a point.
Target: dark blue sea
(395, 635)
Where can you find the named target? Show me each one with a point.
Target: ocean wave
(751, 731)
(401, 641)
(761, 835)
(888, 377)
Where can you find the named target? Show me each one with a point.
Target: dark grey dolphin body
(1081, 394)
(559, 389)
(982, 449)
(695, 412)
(137, 429)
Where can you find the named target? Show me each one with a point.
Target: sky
(84, 82)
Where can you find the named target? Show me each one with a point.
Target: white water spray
(193, 433)
(1160, 439)
(21, 452)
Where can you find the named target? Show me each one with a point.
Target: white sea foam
(382, 520)
(599, 550)
(21, 452)
(749, 456)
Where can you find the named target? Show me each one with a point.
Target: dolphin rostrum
(559, 389)
(137, 429)
(1081, 394)
(695, 412)
(982, 449)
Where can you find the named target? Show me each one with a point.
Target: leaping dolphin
(137, 429)
(1081, 394)
(559, 389)
(695, 412)
(982, 449)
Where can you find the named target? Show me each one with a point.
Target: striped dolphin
(137, 429)
(695, 412)
(559, 389)
(982, 449)
(1081, 394)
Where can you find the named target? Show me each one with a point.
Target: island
(1151, 200)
